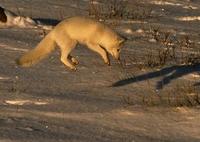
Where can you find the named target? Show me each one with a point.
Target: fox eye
(118, 50)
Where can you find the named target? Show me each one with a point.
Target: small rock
(152, 40)
(140, 31)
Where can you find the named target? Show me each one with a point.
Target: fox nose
(119, 59)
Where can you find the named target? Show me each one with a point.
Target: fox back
(87, 30)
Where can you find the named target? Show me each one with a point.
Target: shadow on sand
(45, 21)
(168, 73)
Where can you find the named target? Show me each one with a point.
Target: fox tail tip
(17, 61)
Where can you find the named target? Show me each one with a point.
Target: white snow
(14, 20)
(25, 102)
(188, 18)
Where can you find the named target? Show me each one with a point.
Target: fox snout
(117, 49)
(116, 54)
(117, 57)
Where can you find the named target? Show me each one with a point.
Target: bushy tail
(46, 46)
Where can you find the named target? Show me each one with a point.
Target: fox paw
(73, 69)
(107, 63)
(74, 61)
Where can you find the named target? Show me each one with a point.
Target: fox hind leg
(97, 48)
(66, 46)
(65, 60)
(73, 60)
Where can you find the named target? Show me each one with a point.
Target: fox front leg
(100, 51)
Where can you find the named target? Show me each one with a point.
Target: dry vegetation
(118, 9)
(173, 51)
(181, 95)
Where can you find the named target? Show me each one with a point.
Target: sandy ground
(48, 102)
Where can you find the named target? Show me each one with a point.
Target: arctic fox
(95, 35)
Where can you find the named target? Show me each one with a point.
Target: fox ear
(121, 41)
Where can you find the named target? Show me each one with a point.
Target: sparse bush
(118, 9)
(172, 50)
(181, 95)
(185, 94)
(191, 59)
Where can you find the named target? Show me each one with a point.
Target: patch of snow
(12, 48)
(152, 40)
(24, 102)
(191, 7)
(188, 18)
(165, 3)
(174, 4)
(132, 22)
(13, 20)
(4, 78)
(140, 31)
(128, 31)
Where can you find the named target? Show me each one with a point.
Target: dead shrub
(118, 9)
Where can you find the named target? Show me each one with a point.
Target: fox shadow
(168, 74)
(46, 21)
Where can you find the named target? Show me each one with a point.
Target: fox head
(115, 49)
